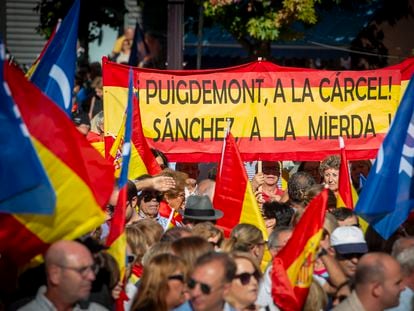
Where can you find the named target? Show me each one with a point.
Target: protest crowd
(304, 245)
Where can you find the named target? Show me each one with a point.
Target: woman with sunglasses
(149, 206)
(245, 285)
(162, 286)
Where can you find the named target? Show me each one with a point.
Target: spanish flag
(116, 238)
(292, 269)
(142, 159)
(345, 188)
(81, 178)
(234, 194)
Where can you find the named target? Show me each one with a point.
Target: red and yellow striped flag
(344, 181)
(82, 179)
(233, 194)
(292, 269)
(142, 159)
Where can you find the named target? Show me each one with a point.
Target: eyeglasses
(129, 259)
(178, 277)
(205, 288)
(245, 277)
(350, 256)
(83, 271)
(148, 196)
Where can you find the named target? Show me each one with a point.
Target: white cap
(348, 239)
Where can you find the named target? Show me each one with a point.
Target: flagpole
(226, 133)
(169, 219)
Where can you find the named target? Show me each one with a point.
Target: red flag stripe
(57, 133)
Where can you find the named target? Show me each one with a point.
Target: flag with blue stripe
(388, 196)
(55, 73)
(25, 187)
(126, 149)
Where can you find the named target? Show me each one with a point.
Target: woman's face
(176, 290)
(177, 202)
(330, 177)
(244, 287)
(150, 203)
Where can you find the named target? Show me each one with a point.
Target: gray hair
(406, 260)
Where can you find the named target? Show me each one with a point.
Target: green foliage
(257, 22)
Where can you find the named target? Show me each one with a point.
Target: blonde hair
(154, 287)
(243, 238)
(180, 179)
(190, 248)
(162, 247)
(317, 298)
(206, 230)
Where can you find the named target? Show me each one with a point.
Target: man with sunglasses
(70, 271)
(210, 282)
(349, 245)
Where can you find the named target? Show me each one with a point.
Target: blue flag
(55, 73)
(126, 148)
(25, 187)
(388, 196)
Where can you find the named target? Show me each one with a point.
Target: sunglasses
(148, 196)
(246, 277)
(205, 289)
(271, 171)
(178, 277)
(129, 259)
(350, 256)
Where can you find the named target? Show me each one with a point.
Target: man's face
(392, 285)
(348, 263)
(76, 276)
(209, 276)
(283, 238)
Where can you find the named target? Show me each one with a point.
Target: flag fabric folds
(292, 269)
(344, 182)
(25, 185)
(81, 178)
(388, 196)
(142, 159)
(116, 238)
(233, 194)
(55, 73)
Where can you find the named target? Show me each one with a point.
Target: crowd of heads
(178, 255)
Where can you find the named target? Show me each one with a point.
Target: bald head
(70, 271)
(371, 268)
(207, 187)
(63, 252)
(378, 281)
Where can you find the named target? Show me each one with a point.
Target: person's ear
(271, 222)
(226, 289)
(54, 274)
(134, 201)
(377, 289)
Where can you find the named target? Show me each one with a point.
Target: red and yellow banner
(275, 112)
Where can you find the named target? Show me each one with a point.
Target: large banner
(275, 113)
